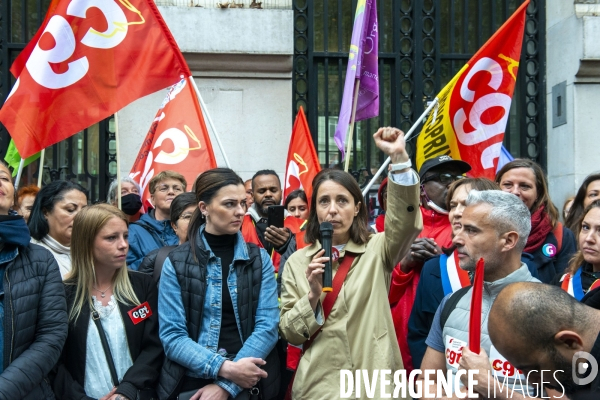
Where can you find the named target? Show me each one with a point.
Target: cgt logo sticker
(140, 313)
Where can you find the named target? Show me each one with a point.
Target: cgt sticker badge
(140, 313)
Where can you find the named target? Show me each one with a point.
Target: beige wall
(241, 60)
(573, 55)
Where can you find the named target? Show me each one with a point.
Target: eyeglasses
(443, 178)
(186, 216)
(165, 188)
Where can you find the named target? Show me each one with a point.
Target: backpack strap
(558, 234)
(161, 256)
(152, 232)
(451, 304)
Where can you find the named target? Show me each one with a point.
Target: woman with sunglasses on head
(113, 351)
(550, 242)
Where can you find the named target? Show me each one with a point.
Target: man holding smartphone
(279, 241)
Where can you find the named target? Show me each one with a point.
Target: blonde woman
(109, 307)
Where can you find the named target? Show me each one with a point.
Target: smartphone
(275, 216)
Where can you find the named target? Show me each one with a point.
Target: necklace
(103, 292)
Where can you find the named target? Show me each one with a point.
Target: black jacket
(191, 275)
(35, 323)
(144, 345)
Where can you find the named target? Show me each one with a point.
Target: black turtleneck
(229, 337)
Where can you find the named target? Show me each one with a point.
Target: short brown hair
(541, 186)
(29, 190)
(359, 230)
(163, 176)
(475, 183)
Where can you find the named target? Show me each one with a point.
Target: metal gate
(422, 45)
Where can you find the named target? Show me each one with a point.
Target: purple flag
(362, 67)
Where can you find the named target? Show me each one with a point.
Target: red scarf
(541, 226)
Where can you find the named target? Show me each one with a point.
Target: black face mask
(131, 203)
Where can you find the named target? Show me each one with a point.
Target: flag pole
(41, 171)
(212, 126)
(19, 173)
(118, 155)
(350, 134)
(406, 137)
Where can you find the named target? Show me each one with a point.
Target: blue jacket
(142, 241)
(200, 356)
(430, 293)
(547, 266)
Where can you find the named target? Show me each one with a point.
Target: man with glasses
(154, 230)
(436, 175)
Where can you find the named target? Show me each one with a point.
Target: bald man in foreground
(540, 327)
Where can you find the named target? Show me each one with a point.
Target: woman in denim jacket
(218, 308)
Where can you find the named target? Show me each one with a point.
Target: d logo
(581, 370)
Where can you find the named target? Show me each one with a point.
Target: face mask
(432, 205)
(131, 203)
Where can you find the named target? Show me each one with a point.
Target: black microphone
(326, 230)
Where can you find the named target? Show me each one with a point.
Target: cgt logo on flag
(44, 55)
(90, 59)
(473, 108)
(177, 140)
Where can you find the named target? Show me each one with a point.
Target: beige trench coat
(359, 333)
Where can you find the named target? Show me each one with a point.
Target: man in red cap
(436, 175)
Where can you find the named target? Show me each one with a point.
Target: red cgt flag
(92, 58)
(177, 140)
(19, 64)
(302, 161)
(470, 119)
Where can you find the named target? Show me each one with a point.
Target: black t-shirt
(229, 336)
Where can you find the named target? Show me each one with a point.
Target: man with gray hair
(131, 201)
(495, 227)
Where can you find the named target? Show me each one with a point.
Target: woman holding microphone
(353, 330)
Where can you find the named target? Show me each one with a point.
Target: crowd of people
(200, 297)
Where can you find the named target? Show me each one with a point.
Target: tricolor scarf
(572, 284)
(541, 226)
(453, 276)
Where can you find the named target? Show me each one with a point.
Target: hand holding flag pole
(475, 317)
